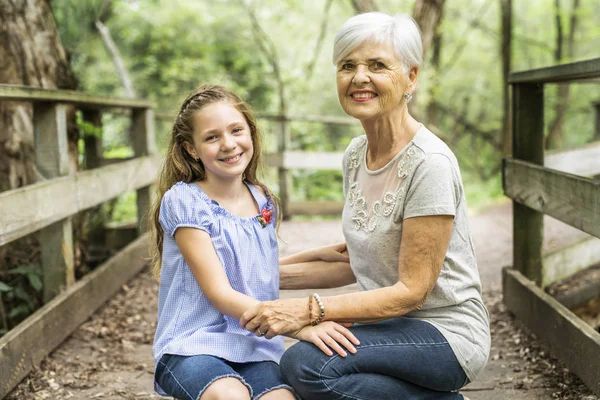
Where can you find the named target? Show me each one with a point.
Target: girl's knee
(226, 389)
(278, 394)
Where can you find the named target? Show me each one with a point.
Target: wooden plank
(316, 208)
(29, 208)
(305, 160)
(284, 180)
(584, 160)
(143, 145)
(571, 340)
(52, 160)
(324, 119)
(37, 95)
(587, 69)
(573, 199)
(26, 345)
(597, 120)
(528, 144)
(569, 260)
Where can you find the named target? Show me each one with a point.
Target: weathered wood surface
(142, 137)
(528, 144)
(24, 346)
(569, 338)
(316, 208)
(33, 207)
(587, 69)
(569, 260)
(52, 161)
(306, 160)
(584, 160)
(36, 95)
(569, 198)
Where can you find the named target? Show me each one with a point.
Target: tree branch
(320, 39)
(116, 57)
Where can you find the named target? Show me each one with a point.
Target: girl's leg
(200, 377)
(402, 358)
(226, 389)
(265, 379)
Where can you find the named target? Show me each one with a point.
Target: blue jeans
(401, 358)
(187, 377)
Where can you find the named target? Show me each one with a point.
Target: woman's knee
(226, 389)
(297, 362)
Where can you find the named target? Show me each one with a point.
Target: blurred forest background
(274, 51)
(277, 55)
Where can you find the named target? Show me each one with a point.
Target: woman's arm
(199, 253)
(315, 275)
(425, 241)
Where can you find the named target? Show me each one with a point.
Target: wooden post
(528, 145)
(596, 105)
(93, 159)
(283, 135)
(52, 160)
(143, 140)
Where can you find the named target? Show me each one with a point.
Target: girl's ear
(190, 149)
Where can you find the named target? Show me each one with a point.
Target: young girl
(216, 254)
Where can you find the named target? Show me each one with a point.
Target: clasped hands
(290, 317)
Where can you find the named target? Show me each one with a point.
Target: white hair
(400, 31)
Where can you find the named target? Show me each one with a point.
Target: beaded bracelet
(321, 309)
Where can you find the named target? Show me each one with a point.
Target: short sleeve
(434, 188)
(182, 206)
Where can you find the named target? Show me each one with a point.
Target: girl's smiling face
(371, 81)
(222, 141)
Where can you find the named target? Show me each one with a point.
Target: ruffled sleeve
(182, 206)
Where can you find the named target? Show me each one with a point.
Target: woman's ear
(413, 75)
(190, 149)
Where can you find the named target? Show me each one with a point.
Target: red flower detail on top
(265, 217)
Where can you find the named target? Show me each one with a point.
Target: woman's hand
(328, 335)
(278, 317)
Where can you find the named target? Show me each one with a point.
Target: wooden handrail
(38, 95)
(575, 71)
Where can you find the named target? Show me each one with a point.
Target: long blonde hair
(179, 165)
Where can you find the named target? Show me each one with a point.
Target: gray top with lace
(422, 179)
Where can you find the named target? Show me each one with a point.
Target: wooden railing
(537, 190)
(47, 206)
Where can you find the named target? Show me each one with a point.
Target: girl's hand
(329, 335)
(334, 253)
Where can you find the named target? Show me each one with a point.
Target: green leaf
(35, 281)
(21, 309)
(4, 287)
(22, 269)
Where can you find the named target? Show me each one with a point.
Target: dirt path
(109, 356)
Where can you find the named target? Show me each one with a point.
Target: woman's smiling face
(371, 81)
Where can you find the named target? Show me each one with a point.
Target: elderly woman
(419, 315)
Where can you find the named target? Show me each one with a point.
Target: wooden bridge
(47, 206)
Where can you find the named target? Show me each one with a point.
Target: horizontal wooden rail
(584, 161)
(559, 73)
(24, 346)
(570, 259)
(323, 119)
(305, 160)
(36, 95)
(569, 338)
(569, 198)
(30, 208)
(316, 208)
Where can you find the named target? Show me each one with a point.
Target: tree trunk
(506, 7)
(31, 55)
(428, 15)
(554, 139)
(363, 6)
